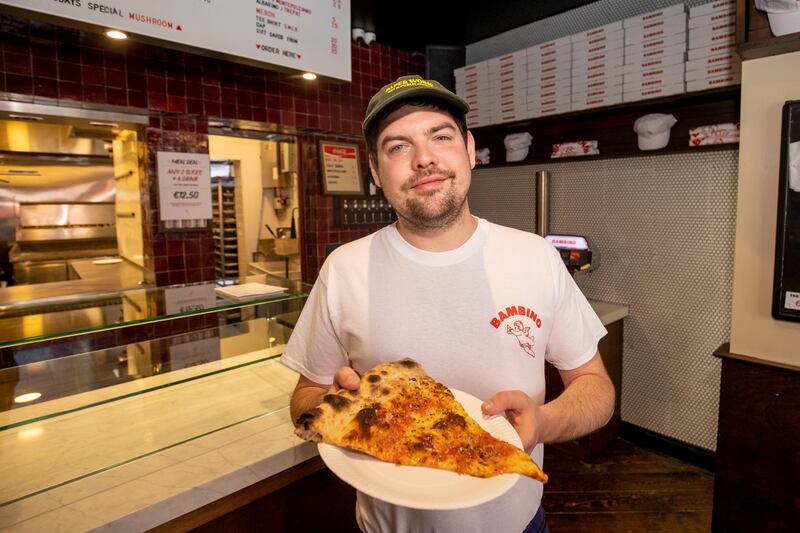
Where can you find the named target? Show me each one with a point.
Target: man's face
(424, 166)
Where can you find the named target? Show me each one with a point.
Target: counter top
(132, 476)
(125, 273)
(609, 312)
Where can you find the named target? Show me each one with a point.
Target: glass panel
(102, 409)
(45, 319)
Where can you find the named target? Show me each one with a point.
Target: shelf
(612, 127)
(784, 44)
(57, 319)
(639, 153)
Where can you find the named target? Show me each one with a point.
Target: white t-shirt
(481, 318)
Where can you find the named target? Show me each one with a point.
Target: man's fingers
(347, 378)
(505, 401)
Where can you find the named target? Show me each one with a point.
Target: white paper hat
(517, 146)
(653, 130)
(784, 15)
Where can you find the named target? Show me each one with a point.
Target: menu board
(184, 186)
(306, 35)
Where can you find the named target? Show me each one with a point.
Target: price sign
(340, 171)
(188, 299)
(185, 195)
(184, 186)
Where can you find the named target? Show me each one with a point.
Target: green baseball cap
(406, 87)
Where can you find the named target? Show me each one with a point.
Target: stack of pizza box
(508, 75)
(548, 84)
(655, 54)
(597, 57)
(713, 61)
(472, 84)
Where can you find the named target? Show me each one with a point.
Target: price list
(184, 186)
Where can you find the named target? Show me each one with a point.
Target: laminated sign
(184, 186)
(340, 170)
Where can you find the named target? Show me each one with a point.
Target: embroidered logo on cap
(412, 82)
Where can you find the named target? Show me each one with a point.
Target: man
(443, 287)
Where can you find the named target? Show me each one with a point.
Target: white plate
(421, 487)
(111, 261)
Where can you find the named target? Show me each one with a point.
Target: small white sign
(792, 300)
(190, 298)
(184, 186)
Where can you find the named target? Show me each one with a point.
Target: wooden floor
(628, 489)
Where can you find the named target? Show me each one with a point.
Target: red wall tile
(47, 61)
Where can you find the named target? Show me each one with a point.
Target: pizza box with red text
(653, 92)
(656, 30)
(635, 51)
(595, 32)
(598, 83)
(714, 34)
(712, 7)
(651, 16)
(650, 64)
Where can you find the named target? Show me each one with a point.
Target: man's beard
(434, 214)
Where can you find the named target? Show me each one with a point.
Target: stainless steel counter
(93, 278)
(126, 274)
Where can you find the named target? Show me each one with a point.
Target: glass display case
(72, 418)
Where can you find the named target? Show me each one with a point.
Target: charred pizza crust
(401, 415)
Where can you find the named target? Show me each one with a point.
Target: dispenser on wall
(576, 252)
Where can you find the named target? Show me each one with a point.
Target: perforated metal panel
(664, 226)
(573, 21)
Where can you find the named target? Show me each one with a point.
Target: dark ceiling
(412, 24)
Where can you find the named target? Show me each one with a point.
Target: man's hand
(586, 404)
(308, 394)
(520, 410)
(345, 378)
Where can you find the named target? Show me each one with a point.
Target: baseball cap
(406, 87)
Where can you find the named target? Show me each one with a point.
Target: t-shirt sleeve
(576, 327)
(314, 349)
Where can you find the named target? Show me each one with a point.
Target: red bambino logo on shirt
(522, 319)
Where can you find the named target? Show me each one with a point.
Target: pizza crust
(402, 415)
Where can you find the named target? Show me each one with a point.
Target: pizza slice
(401, 415)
